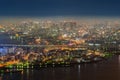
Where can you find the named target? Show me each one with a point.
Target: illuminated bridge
(14, 45)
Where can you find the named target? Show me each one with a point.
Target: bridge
(16, 45)
(19, 45)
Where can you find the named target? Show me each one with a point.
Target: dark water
(5, 39)
(106, 70)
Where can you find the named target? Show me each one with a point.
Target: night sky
(59, 7)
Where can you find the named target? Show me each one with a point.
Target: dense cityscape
(50, 42)
(59, 40)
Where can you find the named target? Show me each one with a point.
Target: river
(105, 70)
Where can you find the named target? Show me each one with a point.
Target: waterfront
(104, 70)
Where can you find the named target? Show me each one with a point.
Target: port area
(64, 61)
(37, 65)
(19, 68)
